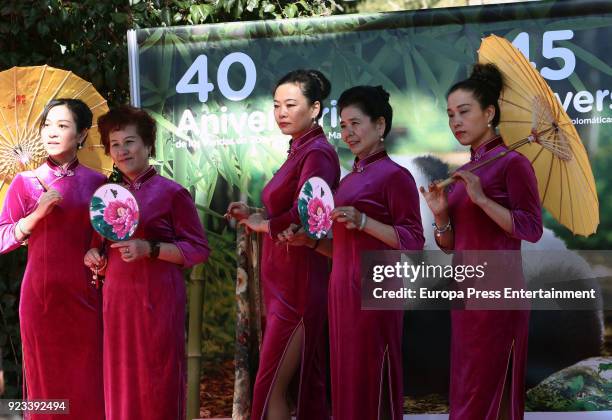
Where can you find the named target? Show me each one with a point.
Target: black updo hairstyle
(313, 84)
(81, 113)
(485, 83)
(371, 100)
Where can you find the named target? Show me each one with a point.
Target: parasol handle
(43, 184)
(527, 140)
(446, 182)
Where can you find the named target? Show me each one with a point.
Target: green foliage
(88, 37)
(11, 271)
(365, 6)
(219, 318)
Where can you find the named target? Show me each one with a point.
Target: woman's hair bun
(324, 84)
(490, 75)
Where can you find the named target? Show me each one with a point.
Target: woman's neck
(377, 148)
(63, 160)
(488, 136)
(301, 133)
(133, 178)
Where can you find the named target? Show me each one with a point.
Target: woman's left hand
(255, 223)
(295, 235)
(133, 250)
(348, 215)
(472, 186)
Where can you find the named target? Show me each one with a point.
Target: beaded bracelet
(439, 231)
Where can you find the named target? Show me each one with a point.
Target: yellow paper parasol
(24, 92)
(533, 116)
(534, 123)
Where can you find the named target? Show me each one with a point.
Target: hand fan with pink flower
(315, 204)
(113, 212)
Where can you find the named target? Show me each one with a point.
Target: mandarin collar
(62, 170)
(475, 155)
(360, 164)
(297, 144)
(139, 180)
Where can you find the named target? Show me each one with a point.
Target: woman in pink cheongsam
(60, 311)
(294, 280)
(377, 208)
(144, 290)
(495, 207)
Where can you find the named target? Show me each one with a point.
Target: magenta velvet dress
(60, 312)
(366, 346)
(488, 344)
(144, 308)
(294, 281)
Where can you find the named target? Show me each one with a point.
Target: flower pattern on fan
(319, 217)
(122, 216)
(315, 204)
(114, 212)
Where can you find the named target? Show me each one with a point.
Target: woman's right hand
(435, 198)
(237, 210)
(94, 260)
(47, 201)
